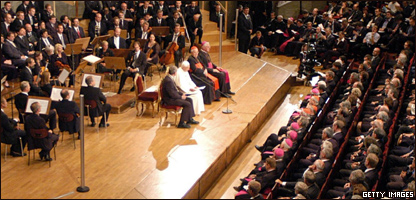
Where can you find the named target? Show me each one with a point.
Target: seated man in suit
(11, 132)
(21, 101)
(76, 31)
(26, 74)
(22, 43)
(171, 96)
(253, 191)
(35, 121)
(11, 52)
(69, 107)
(51, 25)
(97, 27)
(117, 42)
(286, 188)
(266, 178)
(195, 28)
(60, 37)
(18, 22)
(136, 63)
(92, 93)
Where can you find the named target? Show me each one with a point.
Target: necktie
(63, 41)
(8, 29)
(31, 20)
(174, 38)
(159, 21)
(79, 34)
(144, 35)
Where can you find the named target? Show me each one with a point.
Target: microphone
(212, 85)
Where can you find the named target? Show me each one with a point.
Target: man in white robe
(183, 81)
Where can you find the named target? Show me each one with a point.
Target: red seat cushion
(148, 96)
(171, 107)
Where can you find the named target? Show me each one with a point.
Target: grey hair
(328, 152)
(383, 116)
(301, 188)
(319, 164)
(310, 177)
(357, 176)
(329, 132)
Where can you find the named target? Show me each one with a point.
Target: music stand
(56, 93)
(45, 103)
(122, 52)
(84, 41)
(72, 50)
(161, 30)
(97, 41)
(115, 63)
(98, 78)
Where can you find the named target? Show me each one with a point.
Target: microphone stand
(226, 111)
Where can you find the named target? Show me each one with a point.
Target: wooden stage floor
(137, 158)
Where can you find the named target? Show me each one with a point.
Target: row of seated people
(278, 149)
(360, 33)
(11, 130)
(319, 153)
(363, 156)
(400, 161)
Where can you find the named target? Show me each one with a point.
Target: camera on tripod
(309, 60)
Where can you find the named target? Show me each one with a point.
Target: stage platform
(137, 158)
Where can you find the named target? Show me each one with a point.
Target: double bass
(169, 56)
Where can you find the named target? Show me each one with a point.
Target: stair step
(210, 26)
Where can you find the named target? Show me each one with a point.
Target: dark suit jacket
(139, 33)
(320, 179)
(10, 52)
(313, 191)
(57, 40)
(140, 62)
(93, 93)
(43, 44)
(371, 178)
(318, 20)
(25, 75)
(21, 7)
(338, 137)
(341, 46)
(51, 30)
(189, 12)
(74, 34)
(22, 44)
(180, 40)
(140, 11)
(169, 92)
(153, 22)
(16, 25)
(244, 26)
(171, 23)
(266, 179)
(173, 9)
(45, 16)
(91, 29)
(69, 107)
(34, 20)
(255, 41)
(4, 29)
(21, 100)
(191, 25)
(34, 121)
(356, 15)
(122, 43)
(165, 9)
(89, 7)
(33, 38)
(8, 134)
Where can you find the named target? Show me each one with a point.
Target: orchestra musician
(136, 63)
(152, 49)
(179, 39)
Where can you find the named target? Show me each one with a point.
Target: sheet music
(43, 105)
(279, 31)
(97, 80)
(294, 32)
(56, 94)
(151, 89)
(91, 59)
(63, 75)
(201, 88)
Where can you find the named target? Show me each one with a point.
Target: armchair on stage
(144, 97)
